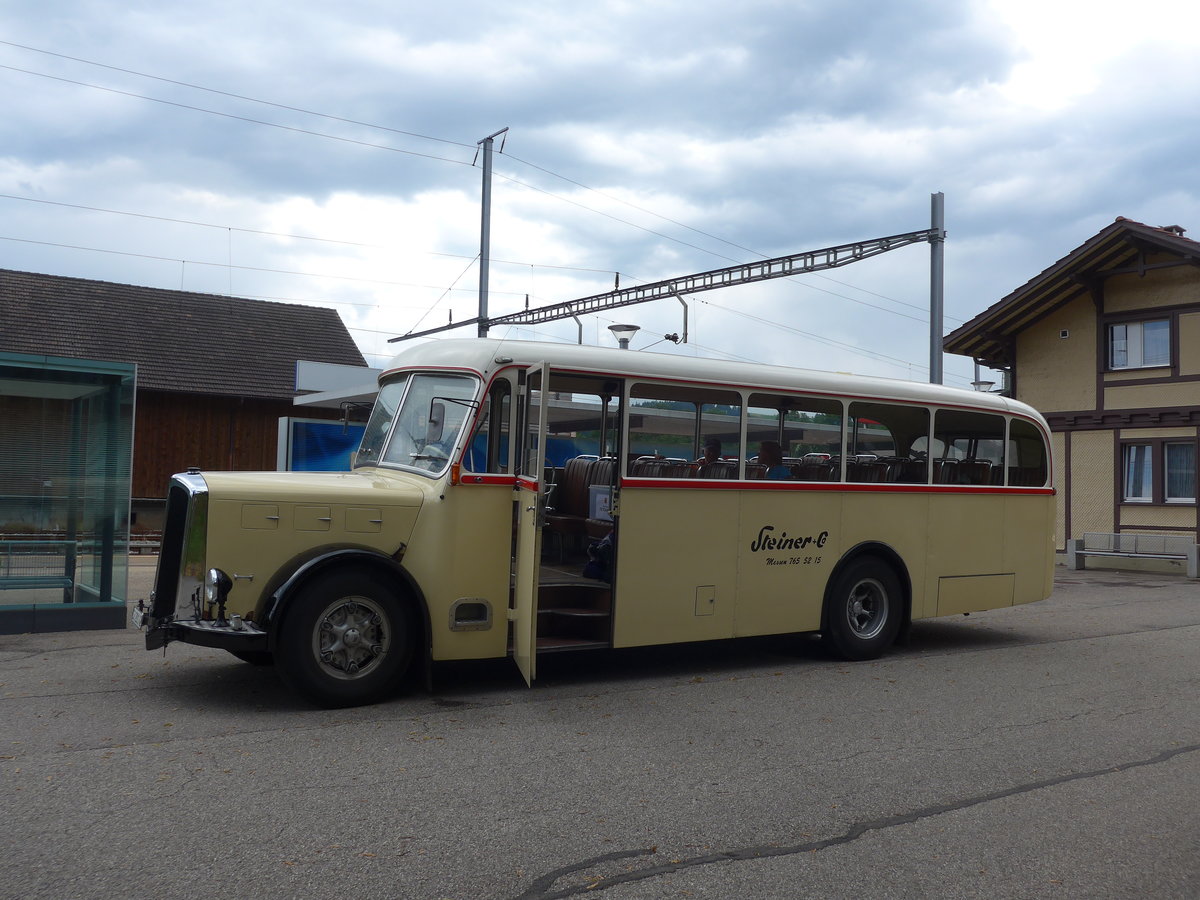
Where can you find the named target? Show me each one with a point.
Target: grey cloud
(780, 126)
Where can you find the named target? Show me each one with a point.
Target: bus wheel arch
(349, 631)
(868, 602)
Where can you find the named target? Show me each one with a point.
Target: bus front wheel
(346, 639)
(863, 609)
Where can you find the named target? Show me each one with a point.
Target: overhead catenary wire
(225, 265)
(760, 319)
(699, 231)
(722, 256)
(374, 145)
(881, 357)
(230, 94)
(330, 117)
(248, 119)
(444, 293)
(428, 310)
(289, 235)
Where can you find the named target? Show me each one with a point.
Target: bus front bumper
(235, 635)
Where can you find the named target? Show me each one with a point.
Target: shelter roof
(1122, 247)
(181, 341)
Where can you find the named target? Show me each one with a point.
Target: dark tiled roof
(1118, 245)
(181, 341)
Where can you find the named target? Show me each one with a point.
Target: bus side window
(973, 444)
(879, 441)
(1027, 459)
(805, 432)
(678, 431)
(487, 451)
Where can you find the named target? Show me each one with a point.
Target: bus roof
(484, 356)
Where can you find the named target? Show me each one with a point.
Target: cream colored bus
(516, 499)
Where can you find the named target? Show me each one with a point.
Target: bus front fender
(361, 560)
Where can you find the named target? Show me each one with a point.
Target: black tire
(254, 657)
(863, 609)
(346, 639)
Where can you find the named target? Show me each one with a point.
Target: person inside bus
(712, 452)
(770, 454)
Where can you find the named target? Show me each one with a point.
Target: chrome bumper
(234, 634)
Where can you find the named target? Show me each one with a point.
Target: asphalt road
(1051, 750)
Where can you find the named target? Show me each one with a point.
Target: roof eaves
(1023, 305)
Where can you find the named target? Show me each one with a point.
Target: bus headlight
(216, 587)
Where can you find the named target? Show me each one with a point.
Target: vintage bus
(516, 499)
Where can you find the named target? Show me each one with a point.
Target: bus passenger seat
(909, 471)
(568, 518)
(945, 471)
(867, 471)
(974, 471)
(601, 475)
(814, 471)
(724, 469)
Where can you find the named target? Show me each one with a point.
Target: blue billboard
(317, 445)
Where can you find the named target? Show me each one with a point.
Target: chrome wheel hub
(867, 608)
(351, 638)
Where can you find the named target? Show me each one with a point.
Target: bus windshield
(425, 415)
(383, 413)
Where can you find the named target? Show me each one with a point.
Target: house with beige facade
(1105, 343)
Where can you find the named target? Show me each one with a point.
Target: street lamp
(980, 383)
(623, 333)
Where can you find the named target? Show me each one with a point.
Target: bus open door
(530, 512)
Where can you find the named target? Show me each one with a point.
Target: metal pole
(485, 230)
(937, 267)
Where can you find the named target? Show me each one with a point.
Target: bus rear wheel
(863, 609)
(346, 639)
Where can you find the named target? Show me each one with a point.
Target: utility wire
(698, 231)
(725, 353)
(731, 259)
(175, 259)
(281, 234)
(252, 121)
(385, 128)
(882, 357)
(200, 87)
(324, 301)
(370, 144)
(443, 295)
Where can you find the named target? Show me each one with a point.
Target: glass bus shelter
(66, 447)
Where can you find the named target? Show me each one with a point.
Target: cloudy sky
(326, 153)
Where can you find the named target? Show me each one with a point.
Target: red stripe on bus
(488, 479)
(849, 486)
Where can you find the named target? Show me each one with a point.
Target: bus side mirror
(433, 428)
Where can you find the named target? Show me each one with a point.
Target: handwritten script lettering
(767, 540)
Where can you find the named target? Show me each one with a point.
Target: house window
(1135, 345)
(1139, 473)
(1179, 463)
(1159, 471)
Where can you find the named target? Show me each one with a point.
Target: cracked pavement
(1051, 750)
